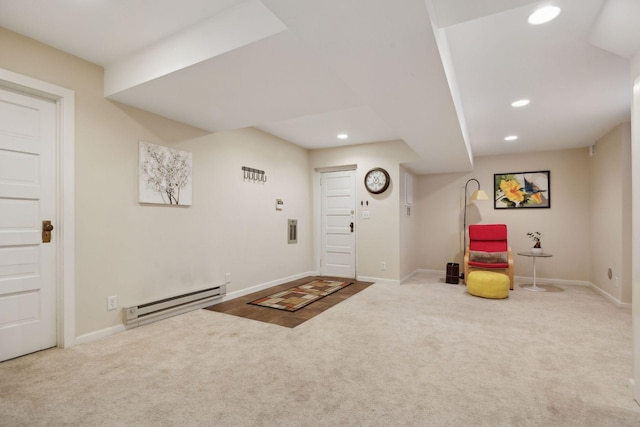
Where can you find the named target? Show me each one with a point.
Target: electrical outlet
(383, 265)
(227, 277)
(112, 302)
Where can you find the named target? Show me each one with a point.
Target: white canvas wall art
(164, 175)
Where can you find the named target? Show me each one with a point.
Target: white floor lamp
(476, 195)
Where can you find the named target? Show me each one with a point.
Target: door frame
(317, 212)
(64, 154)
(635, 227)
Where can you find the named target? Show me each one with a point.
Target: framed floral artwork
(522, 190)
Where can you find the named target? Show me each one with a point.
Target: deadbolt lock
(46, 231)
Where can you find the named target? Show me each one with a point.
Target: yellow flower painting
(522, 190)
(512, 190)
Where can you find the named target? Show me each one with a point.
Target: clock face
(377, 180)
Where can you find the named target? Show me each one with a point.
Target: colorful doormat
(295, 298)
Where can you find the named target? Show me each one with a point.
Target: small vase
(536, 251)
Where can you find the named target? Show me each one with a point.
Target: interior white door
(338, 235)
(27, 185)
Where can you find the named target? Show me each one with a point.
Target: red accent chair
(488, 250)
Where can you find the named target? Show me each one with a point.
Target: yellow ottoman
(488, 284)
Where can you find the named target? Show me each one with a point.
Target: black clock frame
(386, 185)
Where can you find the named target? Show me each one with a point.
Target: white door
(338, 252)
(27, 185)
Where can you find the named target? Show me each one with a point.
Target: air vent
(293, 231)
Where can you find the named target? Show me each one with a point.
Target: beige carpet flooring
(424, 353)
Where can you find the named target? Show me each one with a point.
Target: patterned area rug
(295, 298)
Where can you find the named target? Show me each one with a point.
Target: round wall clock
(377, 180)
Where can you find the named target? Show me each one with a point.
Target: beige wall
(565, 225)
(409, 239)
(377, 238)
(148, 252)
(635, 67)
(627, 219)
(610, 222)
(635, 218)
(144, 252)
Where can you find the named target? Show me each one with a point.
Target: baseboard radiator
(142, 314)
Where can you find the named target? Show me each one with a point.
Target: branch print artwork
(165, 175)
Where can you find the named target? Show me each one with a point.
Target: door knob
(46, 231)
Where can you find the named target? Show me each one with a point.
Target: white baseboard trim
(113, 330)
(610, 297)
(410, 275)
(602, 292)
(378, 280)
(96, 335)
(442, 273)
(544, 280)
(421, 270)
(426, 270)
(266, 285)
(548, 281)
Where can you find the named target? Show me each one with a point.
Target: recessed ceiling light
(544, 14)
(343, 136)
(510, 138)
(520, 103)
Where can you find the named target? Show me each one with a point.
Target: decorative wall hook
(251, 174)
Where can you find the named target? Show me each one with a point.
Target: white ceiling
(438, 74)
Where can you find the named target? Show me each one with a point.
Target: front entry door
(338, 252)
(27, 186)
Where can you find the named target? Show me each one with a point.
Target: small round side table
(534, 256)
